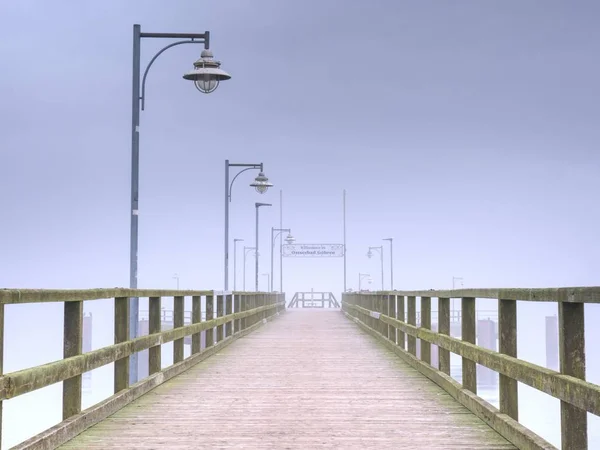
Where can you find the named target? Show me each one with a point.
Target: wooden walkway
(309, 379)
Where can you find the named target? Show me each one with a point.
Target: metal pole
(272, 247)
(226, 255)
(280, 243)
(382, 286)
(359, 283)
(235, 241)
(244, 269)
(345, 241)
(392, 263)
(135, 155)
(256, 247)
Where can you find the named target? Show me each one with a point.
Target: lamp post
(257, 206)
(289, 239)
(206, 76)
(235, 241)
(370, 255)
(260, 183)
(268, 275)
(454, 280)
(361, 276)
(391, 241)
(176, 277)
(246, 250)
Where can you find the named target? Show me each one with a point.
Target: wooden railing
(251, 310)
(383, 314)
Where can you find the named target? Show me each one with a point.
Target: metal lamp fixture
(261, 183)
(207, 73)
(290, 239)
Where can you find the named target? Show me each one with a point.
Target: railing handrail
(577, 294)
(18, 296)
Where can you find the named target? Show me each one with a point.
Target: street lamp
(268, 280)
(362, 276)
(454, 280)
(257, 205)
(246, 251)
(206, 76)
(260, 183)
(235, 241)
(391, 241)
(176, 277)
(289, 239)
(370, 255)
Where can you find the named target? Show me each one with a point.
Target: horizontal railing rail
(226, 317)
(392, 317)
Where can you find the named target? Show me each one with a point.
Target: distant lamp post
(391, 241)
(260, 183)
(370, 255)
(235, 241)
(289, 239)
(361, 277)
(176, 277)
(206, 75)
(268, 275)
(454, 280)
(257, 206)
(246, 251)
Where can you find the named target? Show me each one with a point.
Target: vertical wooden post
(1, 359)
(401, 317)
(220, 300)
(391, 312)
(209, 335)
(178, 316)
(507, 337)
(72, 343)
(154, 326)
(236, 307)
(121, 367)
(469, 368)
(426, 323)
(444, 328)
(571, 345)
(243, 307)
(412, 320)
(228, 312)
(383, 327)
(196, 318)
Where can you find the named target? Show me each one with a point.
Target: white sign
(313, 250)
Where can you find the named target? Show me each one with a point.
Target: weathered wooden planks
(308, 380)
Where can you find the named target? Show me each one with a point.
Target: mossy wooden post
(196, 318)
(72, 343)
(243, 307)
(1, 359)
(571, 347)
(426, 323)
(228, 312)
(209, 335)
(236, 308)
(469, 368)
(444, 328)
(372, 307)
(507, 343)
(154, 326)
(121, 367)
(178, 306)
(383, 327)
(412, 320)
(391, 312)
(220, 308)
(401, 316)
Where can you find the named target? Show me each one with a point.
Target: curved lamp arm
(143, 95)
(237, 175)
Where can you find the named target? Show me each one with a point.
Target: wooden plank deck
(309, 379)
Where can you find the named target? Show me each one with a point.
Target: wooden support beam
(236, 308)
(196, 318)
(507, 337)
(209, 335)
(469, 368)
(571, 344)
(391, 311)
(444, 328)
(402, 317)
(178, 319)
(72, 345)
(154, 326)
(426, 323)
(412, 320)
(121, 367)
(228, 311)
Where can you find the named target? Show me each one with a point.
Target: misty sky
(468, 131)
